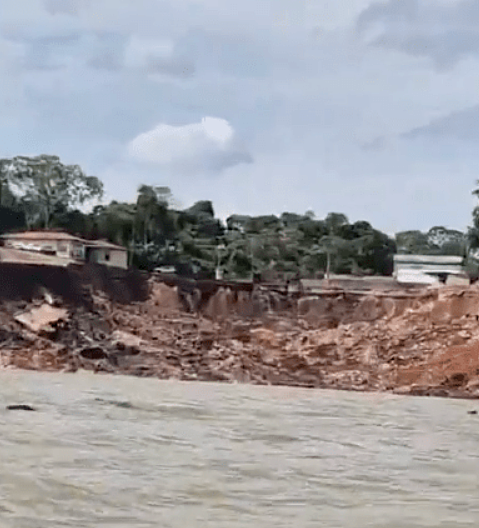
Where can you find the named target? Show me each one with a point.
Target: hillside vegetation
(42, 192)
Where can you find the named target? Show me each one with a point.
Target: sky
(262, 106)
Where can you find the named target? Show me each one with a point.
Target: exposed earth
(422, 342)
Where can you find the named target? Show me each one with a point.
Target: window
(107, 256)
(77, 252)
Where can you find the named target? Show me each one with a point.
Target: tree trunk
(131, 250)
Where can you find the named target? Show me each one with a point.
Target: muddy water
(114, 451)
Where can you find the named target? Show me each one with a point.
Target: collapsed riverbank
(424, 342)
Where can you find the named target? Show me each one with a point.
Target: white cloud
(325, 100)
(141, 51)
(158, 57)
(35, 22)
(210, 145)
(70, 7)
(444, 31)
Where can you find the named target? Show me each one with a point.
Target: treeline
(41, 192)
(437, 241)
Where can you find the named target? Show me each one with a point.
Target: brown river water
(130, 452)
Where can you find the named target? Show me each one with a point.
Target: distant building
(106, 253)
(429, 269)
(69, 247)
(49, 242)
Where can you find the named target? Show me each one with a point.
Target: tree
(6, 197)
(114, 222)
(148, 207)
(237, 222)
(164, 195)
(259, 224)
(292, 219)
(201, 208)
(447, 241)
(374, 252)
(437, 241)
(155, 226)
(11, 219)
(73, 221)
(473, 232)
(412, 242)
(312, 230)
(202, 220)
(334, 221)
(334, 247)
(43, 184)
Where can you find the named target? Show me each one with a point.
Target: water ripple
(114, 451)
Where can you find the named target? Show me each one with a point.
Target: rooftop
(429, 259)
(103, 244)
(59, 235)
(41, 235)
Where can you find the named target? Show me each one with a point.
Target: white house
(104, 252)
(49, 242)
(68, 247)
(429, 269)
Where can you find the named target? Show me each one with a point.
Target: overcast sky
(262, 106)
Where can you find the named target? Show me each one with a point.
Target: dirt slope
(427, 343)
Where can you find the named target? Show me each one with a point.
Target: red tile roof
(103, 244)
(41, 235)
(59, 235)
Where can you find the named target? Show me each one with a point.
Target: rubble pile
(422, 343)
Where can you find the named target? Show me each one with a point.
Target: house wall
(423, 269)
(77, 251)
(455, 280)
(33, 245)
(414, 276)
(451, 268)
(109, 257)
(427, 273)
(63, 248)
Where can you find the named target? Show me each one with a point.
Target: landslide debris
(426, 343)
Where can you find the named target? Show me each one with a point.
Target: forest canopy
(42, 192)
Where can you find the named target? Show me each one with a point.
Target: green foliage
(43, 191)
(11, 219)
(473, 232)
(312, 230)
(472, 268)
(43, 184)
(237, 222)
(292, 219)
(258, 224)
(437, 241)
(412, 242)
(201, 208)
(334, 221)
